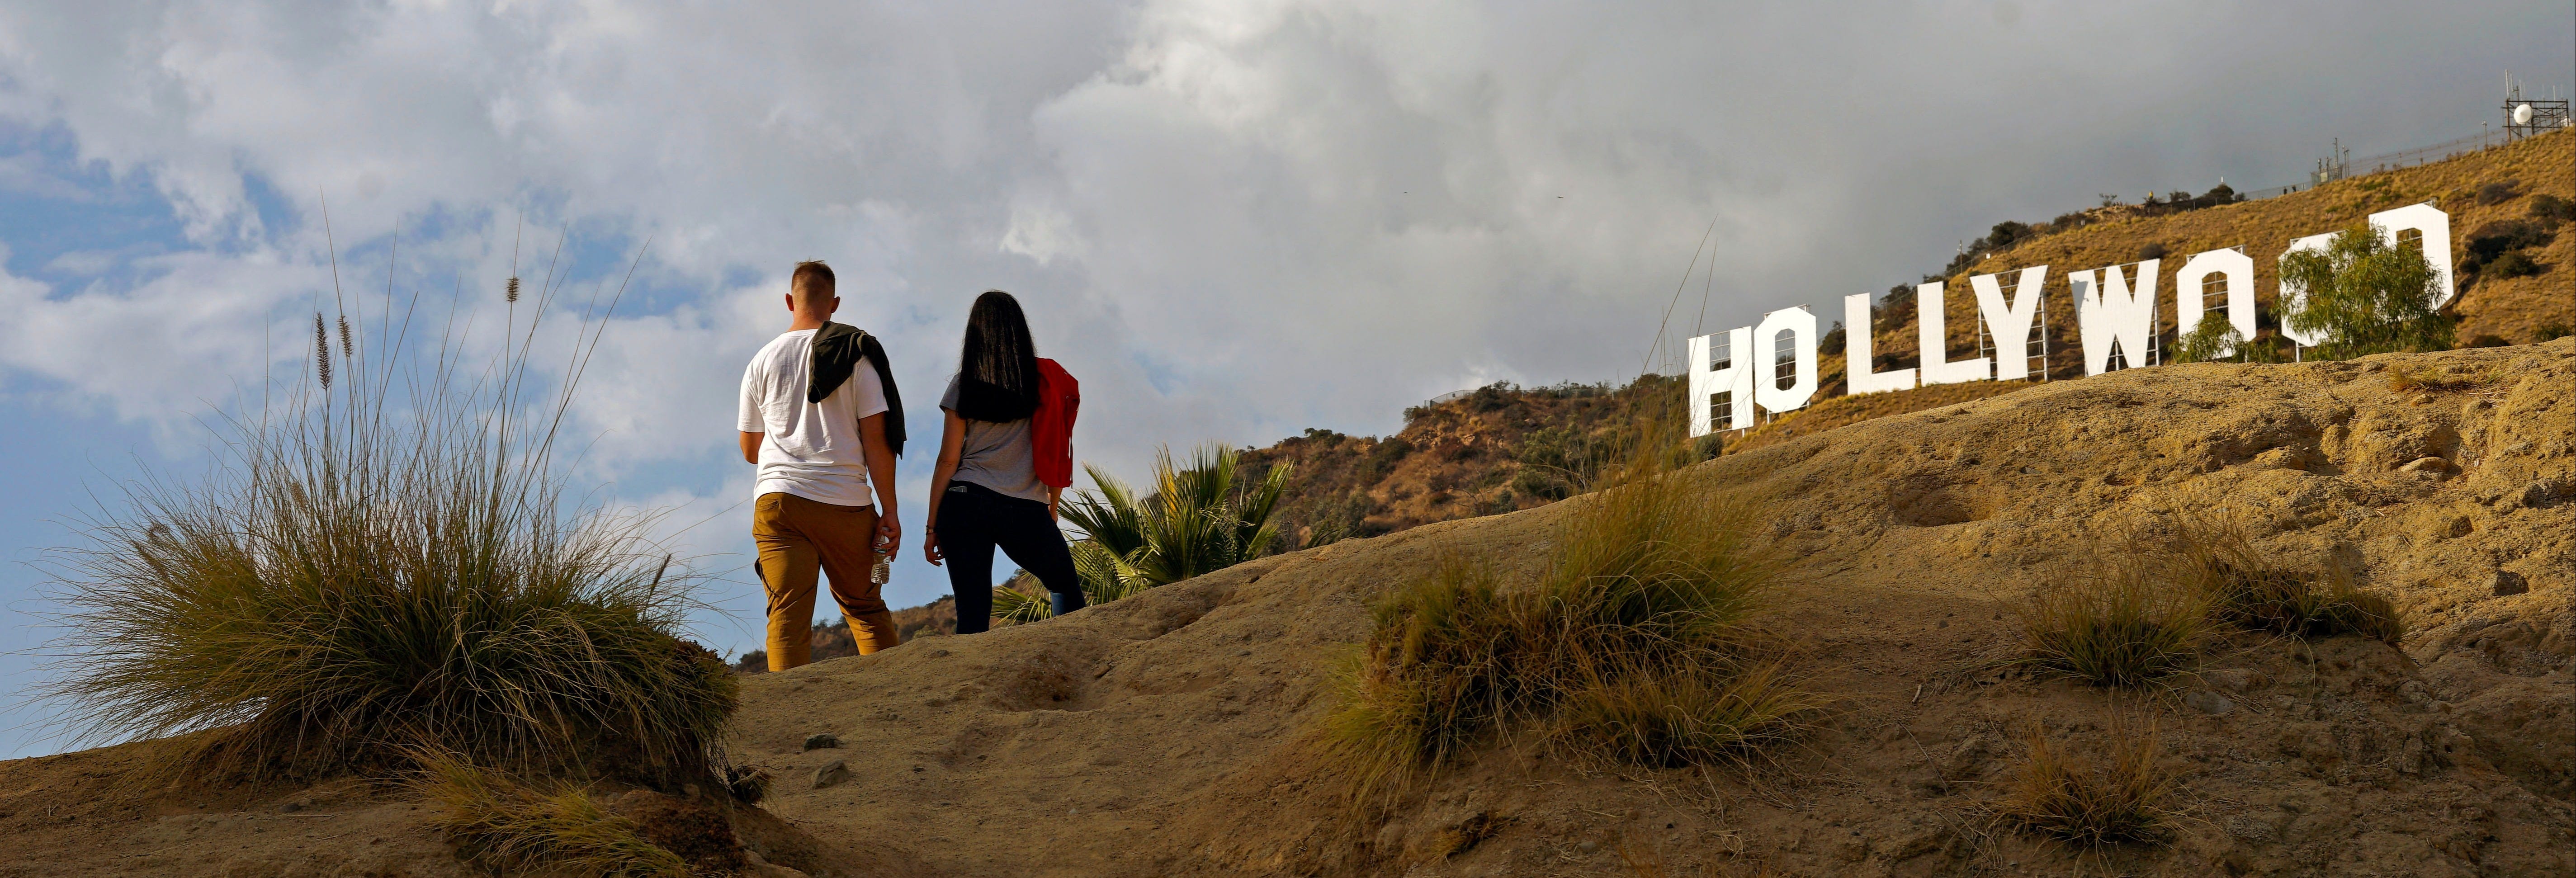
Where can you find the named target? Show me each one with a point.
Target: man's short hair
(811, 276)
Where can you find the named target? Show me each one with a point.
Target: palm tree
(1197, 520)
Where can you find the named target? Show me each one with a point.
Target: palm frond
(1198, 519)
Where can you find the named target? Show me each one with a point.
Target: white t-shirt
(807, 449)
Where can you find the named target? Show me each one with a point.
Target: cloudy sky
(1232, 220)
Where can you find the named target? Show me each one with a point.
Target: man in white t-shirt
(817, 460)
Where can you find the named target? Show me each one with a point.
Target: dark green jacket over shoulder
(838, 348)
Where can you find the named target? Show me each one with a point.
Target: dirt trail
(1165, 734)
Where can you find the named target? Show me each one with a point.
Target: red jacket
(1051, 426)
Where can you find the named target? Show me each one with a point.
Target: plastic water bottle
(881, 572)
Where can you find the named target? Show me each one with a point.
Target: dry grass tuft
(2148, 608)
(1687, 717)
(2124, 629)
(2214, 557)
(514, 828)
(2087, 802)
(1635, 643)
(390, 559)
(2306, 605)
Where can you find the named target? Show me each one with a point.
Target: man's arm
(751, 447)
(872, 445)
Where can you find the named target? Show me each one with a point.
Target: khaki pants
(796, 536)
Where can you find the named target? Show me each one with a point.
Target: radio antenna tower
(2525, 118)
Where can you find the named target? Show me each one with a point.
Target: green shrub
(2267, 349)
(2513, 264)
(1382, 458)
(2497, 238)
(2552, 209)
(1562, 461)
(2366, 297)
(1335, 520)
(1433, 675)
(384, 564)
(1540, 483)
(2213, 339)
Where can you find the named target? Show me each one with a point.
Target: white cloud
(81, 262)
(196, 328)
(1233, 219)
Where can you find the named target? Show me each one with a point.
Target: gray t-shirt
(997, 456)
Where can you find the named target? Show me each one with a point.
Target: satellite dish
(2522, 115)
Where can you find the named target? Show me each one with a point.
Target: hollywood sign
(2115, 319)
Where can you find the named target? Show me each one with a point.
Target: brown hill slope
(1165, 734)
(1162, 735)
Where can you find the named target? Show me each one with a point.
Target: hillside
(2491, 196)
(2484, 192)
(1499, 448)
(1170, 733)
(1504, 448)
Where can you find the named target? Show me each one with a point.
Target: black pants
(972, 520)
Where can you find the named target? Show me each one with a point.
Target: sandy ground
(1169, 734)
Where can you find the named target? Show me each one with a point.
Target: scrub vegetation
(1635, 642)
(2127, 628)
(1498, 448)
(2212, 558)
(2151, 607)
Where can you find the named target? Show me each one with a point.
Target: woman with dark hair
(1004, 459)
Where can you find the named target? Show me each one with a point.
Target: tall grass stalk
(385, 561)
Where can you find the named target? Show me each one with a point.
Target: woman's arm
(1053, 494)
(952, 442)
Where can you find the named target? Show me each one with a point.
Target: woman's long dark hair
(997, 378)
